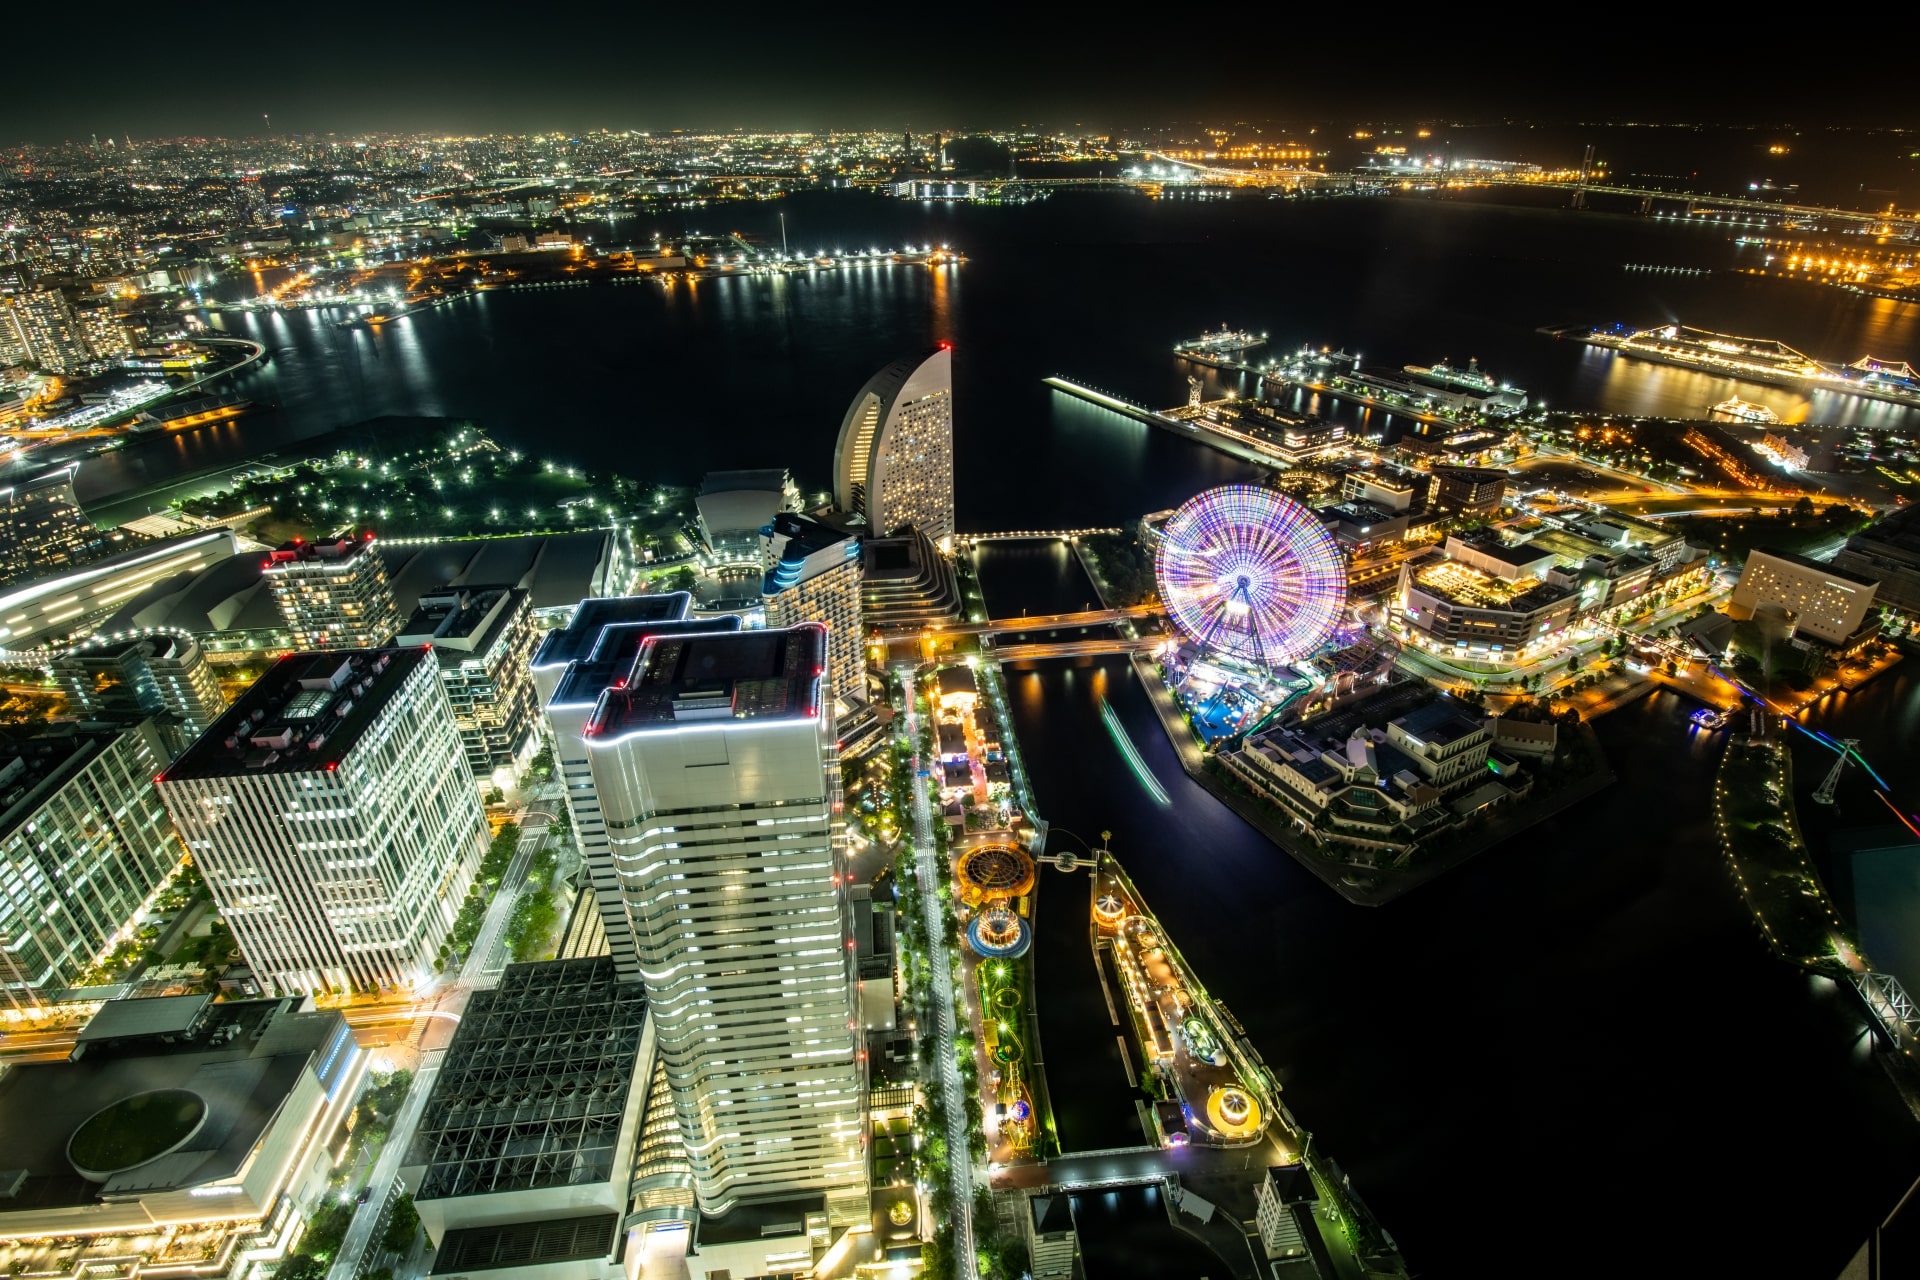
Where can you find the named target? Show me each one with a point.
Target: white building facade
(715, 766)
(893, 462)
(332, 814)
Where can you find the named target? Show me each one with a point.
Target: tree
(301, 1266)
(403, 1224)
(682, 579)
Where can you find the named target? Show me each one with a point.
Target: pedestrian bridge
(1030, 535)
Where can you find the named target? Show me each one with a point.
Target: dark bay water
(1495, 1057)
(757, 371)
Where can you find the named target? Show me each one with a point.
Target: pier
(1192, 431)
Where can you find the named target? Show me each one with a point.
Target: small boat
(1709, 718)
(1738, 410)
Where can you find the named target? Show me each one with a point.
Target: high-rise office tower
(334, 594)
(332, 814)
(572, 668)
(893, 463)
(84, 842)
(714, 763)
(813, 575)
(42, 529)
(483, 637)
(144, 677)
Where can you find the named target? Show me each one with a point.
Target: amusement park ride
(1258, 587)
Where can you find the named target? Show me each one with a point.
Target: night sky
(158, 72)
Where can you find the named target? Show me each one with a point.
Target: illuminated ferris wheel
(1250, 572)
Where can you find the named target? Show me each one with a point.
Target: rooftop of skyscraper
(577, 639)
(612, 658)
(804, 536)
(709, 677)
(460, 621)
(329, 550)
(304, 714)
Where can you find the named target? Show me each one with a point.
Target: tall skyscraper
(714, 763)
(813, 575)
(84, 842)
(332, 814)
(574, 666)
(483, 637)
(42, 529)
(893, 463)
(334, 594)
(143, 677)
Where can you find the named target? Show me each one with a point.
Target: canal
(1578, 1026)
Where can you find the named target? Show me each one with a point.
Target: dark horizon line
(1076, 129)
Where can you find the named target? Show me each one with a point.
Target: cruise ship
(1764, 360)
(1738, 410)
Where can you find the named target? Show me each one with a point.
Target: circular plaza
(994, 871)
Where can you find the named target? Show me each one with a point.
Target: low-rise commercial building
(66, 607)
(1053, 1241)
(1455, 607)
(84, 844)
(1389, 488)
(1284, 1209)
(732, 508)
(1827, 605)
(906, 582)
(1887, 552)
(1468, 491)
(521, 1163)
(189, 1139)
(483, 638)
(1360, 527)
(1447, 745)
(1379, 791)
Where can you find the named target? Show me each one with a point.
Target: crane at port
(1824, 794)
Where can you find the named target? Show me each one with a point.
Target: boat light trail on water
(1896, 813)
(1134, 762)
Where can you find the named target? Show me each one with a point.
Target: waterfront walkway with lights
(930, 875)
